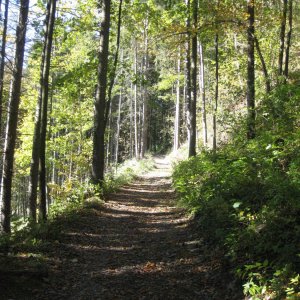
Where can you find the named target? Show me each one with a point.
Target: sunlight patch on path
(139, 243)
(162, 169)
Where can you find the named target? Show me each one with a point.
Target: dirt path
(138, 247)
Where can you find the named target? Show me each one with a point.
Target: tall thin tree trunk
(183, 135)
(12, 118)
(43, 93)
(44, 112)
(2, 63)
(99, 122)
(140, 120)
(282, 37)
(118, 130)
(288, 40)
(131, 121)
(189, 80)
(203, 96)
(264, 67)
(145, 115)
(136, 145)
(118, 122)
(251, 73)
(113, 73)
(177, 106)
(109, 130)
(193, 102)
(216, 93)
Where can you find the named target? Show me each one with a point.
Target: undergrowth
(247, 198)
(73, 193)
(68, 201)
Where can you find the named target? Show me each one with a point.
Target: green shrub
(247, 198)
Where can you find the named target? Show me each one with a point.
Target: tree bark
(136, 144)
(189, 114)
(288, 40)
(43, 96)
(118, 130)
(2, 66)
(203, 96)
(108, 130)
(108, 108)
(216, 93)
(12, 117)
(251, 73)
(131, 121)
(118, 122)
(44, 111)
(264, 67)
(177, 106)
(100, 101)
(145, 119)
(113, 73)
(140, 120)
(282, 37)
(183, 137)
(193, 102)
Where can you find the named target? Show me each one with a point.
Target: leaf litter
(139, 245)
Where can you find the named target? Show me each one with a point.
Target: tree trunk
(140, 120)
(282, 37)
(99, 122)
(189, 81)
(113, 73)
(264, 67)
(12, 118)
(108, 130)
(118, 130)
(43, 93)
(216, 93)
(288, 40)
(2, 66)
(183, 136)
(203, 96)
(44, 110)
(193, 102)
(177, 106)
(131, 121)
(118, 122)
(145, 119)
(251, 73)
(136, 145)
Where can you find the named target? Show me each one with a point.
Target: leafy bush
(72, 194)
(247, 197)
(126, 172)
(67, 201)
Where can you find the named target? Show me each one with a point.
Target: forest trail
(139, 246)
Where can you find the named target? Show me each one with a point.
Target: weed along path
(138, 246)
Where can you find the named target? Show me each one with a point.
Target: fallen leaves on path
(138, 246)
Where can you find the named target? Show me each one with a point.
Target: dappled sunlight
(151, 230)
(145, 189)
(151, 267)
(138, 241)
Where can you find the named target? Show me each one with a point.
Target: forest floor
(139, 245)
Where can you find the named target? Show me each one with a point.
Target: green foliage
(126, 172)
(247, 197)
(73, 195)
(68, 201)
(29, 237)
(93, 203)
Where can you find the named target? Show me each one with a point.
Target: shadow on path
(139, 246)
